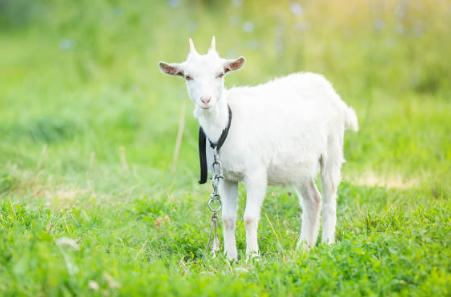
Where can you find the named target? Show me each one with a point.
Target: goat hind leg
(310, 200)
(330, 176)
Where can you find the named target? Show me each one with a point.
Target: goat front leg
(229, 193)
(256, 191)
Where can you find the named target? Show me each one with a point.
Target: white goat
(283, 132)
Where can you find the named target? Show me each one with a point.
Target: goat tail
(351, 122)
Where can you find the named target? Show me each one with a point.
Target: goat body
(284, 128)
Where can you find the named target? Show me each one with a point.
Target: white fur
(283, 132)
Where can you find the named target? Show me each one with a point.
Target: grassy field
(92, 202)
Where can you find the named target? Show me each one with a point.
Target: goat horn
(213, 44)
(192, 48)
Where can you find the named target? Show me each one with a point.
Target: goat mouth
(206, 107)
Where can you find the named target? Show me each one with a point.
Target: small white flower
(93, 285)
(296, 9)
(67, 242)
(248, 26)
(66, 44)
(237, 3)
(174, 3)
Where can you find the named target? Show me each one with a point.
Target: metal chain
(215, 198)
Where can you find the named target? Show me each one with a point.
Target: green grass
(88, 128)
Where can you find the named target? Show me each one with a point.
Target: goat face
(204, 75)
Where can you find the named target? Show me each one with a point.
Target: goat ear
(171, 68)
(234, 65)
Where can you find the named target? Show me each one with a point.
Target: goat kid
(283, 132)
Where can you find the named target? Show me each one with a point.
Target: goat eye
(220, 75)
(188, 77)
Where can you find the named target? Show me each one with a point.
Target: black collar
(203, 147)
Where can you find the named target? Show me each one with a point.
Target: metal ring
(216, 199)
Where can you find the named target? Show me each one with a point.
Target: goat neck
(215, 120)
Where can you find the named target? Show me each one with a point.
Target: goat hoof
(253, 256)
(303, 246)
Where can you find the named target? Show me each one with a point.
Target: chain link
(216, 176)
(215, 198)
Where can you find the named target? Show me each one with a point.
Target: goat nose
(205, 100)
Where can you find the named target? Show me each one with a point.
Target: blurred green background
(87, 117)
(80, 78)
